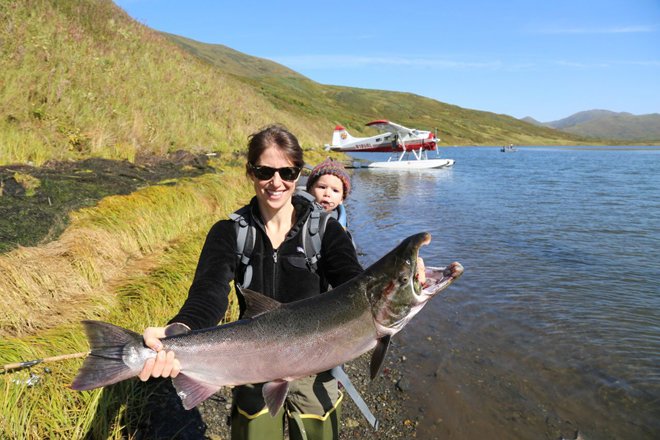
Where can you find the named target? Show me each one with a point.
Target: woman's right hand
(165, 364)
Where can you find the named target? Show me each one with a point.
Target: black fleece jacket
(281, 274)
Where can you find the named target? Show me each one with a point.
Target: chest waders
(313, 406)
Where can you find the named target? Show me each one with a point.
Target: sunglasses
(267, 173)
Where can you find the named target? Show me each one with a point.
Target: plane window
(377, 139)
(415, 132)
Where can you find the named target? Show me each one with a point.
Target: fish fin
(257, 304)
(378, 356)
(192, 391)
(176, 329)
(274, 394)
(105, 364)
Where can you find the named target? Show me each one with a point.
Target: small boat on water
(508, 149)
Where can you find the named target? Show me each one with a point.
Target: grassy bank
(160, 228)
(69, 279)
(51, 410)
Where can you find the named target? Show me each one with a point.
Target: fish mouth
(439, 278)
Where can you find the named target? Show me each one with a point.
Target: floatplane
(397, 139)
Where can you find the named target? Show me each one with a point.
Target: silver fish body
(279, 343)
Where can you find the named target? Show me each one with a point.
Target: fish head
(395, 290)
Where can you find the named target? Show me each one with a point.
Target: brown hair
(275, 136)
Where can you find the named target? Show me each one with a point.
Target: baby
(330, 186)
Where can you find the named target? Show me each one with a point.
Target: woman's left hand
(421, 271)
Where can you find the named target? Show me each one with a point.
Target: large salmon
(278, 343)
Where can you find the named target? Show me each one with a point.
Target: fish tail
(105, 364)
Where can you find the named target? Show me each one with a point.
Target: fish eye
(408, 262)
(404, 279)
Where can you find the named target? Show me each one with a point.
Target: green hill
(353, 108)
(80, 78)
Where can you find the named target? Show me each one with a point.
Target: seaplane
(397, 139)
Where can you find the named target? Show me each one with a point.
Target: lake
(554, 328)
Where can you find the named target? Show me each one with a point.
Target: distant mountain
(534, 121)
(620, 126)
(580, 117)
(607, 124)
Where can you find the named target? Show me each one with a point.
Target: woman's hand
(165, 364)
(421, 271)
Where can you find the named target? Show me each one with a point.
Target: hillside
(81, 78)
(353, 108)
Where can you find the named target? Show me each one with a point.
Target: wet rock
(403, 384)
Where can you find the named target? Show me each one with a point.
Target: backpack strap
(313, 232)
(245, 239)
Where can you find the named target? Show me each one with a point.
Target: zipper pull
(275, 256)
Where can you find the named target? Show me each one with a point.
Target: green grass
(81, 78)
(41, 287)
(163, 228)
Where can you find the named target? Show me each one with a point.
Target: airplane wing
(384, 125)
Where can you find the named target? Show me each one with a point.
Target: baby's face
(328, 190)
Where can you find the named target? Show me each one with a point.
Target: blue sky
(545, 59)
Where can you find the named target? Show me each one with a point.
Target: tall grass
(168, 224)
(68, 279)
(80, 78)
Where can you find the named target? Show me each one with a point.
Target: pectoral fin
(378, 356)
(274, 394)
(257, 304)
(191, 391)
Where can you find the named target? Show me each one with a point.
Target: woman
(279, 271)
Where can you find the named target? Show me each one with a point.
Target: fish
(277, 343)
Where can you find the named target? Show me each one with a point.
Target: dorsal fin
(257, 304)
(378, 355)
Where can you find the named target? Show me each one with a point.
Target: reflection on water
(555, 325)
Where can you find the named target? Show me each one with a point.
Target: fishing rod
(28, 364)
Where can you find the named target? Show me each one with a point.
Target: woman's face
(275, 192)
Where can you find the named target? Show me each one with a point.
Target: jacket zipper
(275, 287)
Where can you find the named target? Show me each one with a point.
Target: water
(554, 328)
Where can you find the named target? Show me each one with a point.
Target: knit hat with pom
(330, 166)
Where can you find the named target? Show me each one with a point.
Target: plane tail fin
(340, 136)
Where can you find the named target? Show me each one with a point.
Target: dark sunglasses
(267, 173)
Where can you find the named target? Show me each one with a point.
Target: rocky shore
(385, 396)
